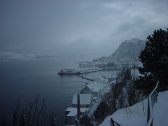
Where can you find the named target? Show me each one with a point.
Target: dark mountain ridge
(128, 49)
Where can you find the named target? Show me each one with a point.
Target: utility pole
(134, 68)
(78, 110)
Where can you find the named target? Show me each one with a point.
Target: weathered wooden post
(78, 109)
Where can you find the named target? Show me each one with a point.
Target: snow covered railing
(152, 99)
(113, 123)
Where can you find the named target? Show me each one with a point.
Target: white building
(94, 87)
(71, 112)
(85, 100)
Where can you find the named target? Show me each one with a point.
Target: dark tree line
(35, 114)
(155, 62)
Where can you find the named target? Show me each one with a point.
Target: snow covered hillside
(126, 54)
(136, 114)
(128, 49)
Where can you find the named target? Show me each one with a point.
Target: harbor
(87, 99)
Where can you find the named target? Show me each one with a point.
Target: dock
(98, 69)
(83, 77)
(69, 72)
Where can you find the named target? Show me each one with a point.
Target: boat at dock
(69, 72)
(83, 71)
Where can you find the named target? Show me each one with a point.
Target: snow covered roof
(73, 111)
(95, 87)
(85, 99)
(101, 79)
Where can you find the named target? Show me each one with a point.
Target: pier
(83, 77)
(98, 69)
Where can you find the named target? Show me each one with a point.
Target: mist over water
(30, 79)
(70, 31)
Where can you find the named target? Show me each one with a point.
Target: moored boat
(68, 72)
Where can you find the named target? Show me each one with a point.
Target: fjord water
(26, 80)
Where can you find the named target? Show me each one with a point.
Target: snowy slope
(136, 114)
(161, 110)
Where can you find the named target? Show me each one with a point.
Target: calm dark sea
(29, 79)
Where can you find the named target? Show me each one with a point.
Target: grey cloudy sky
(93, 26)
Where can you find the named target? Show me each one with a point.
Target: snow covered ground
(161, 110)
(136, 114)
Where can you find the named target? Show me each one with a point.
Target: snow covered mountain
(15, 56)
(128, 49)
(126, 54)
(21, 56)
